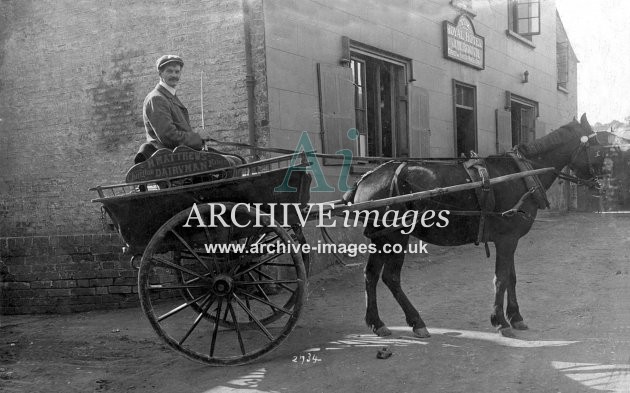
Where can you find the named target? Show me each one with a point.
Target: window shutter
(420, 133)
(562, 61)
(336, 101)
(504, 130)
(425, 142)
(402, 129)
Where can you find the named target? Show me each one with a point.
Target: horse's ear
(585, 124)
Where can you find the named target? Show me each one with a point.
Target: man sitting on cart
(165, 118)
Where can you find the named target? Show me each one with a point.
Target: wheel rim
(236, 306)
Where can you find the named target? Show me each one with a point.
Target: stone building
(430, 78)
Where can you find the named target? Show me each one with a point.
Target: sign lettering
(461, 44)
(180, 162)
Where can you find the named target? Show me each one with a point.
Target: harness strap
(394, 188)
(530, 181)
(477, 171)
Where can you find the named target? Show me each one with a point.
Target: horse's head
(586, 159)
(574, 145)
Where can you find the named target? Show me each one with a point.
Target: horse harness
(478, 172)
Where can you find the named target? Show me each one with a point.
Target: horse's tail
(348, 196)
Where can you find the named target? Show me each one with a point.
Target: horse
(565, 146)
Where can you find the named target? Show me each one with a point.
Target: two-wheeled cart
(222, 294)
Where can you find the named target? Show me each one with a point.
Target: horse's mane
(552, 140)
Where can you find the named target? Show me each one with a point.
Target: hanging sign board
(461, 44)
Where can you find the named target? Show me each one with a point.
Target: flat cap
(166, 59)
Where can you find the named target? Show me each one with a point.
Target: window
(562, 63)
(380, 106)
(524, 113)
(365, 105)
(465, 118)
(517, 122)
(524, 17)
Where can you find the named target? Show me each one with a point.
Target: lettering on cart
(180, 162)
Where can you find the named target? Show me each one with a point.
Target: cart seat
(166, 163)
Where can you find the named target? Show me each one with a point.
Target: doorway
(523, 122)
(465, 118)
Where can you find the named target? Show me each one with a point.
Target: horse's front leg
(504, 266)
(391, 278)
(512, 311)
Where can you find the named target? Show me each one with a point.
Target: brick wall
(73, 76)
(64, 274)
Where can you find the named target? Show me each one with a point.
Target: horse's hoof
(507, 332)
(383, 331)
(520, 325)
(421, 332)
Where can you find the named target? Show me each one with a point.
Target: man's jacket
(166, 121)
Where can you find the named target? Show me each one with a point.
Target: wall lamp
(525, 77)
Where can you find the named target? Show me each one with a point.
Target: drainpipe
(250, 80)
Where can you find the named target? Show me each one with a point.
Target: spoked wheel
(270, 258)
(240, 300)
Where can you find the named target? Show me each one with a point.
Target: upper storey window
(524, 17)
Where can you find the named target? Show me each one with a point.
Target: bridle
(593, 182)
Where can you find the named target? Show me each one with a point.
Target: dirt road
(573, 288)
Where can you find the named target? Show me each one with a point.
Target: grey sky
(600, 35)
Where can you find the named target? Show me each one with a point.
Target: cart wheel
(272, 314)
(238, 304)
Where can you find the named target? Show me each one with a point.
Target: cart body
(139, 209)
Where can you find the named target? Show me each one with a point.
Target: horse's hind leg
(372, 273)
(504, 267)
(391, 278)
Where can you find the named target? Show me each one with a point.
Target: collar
(167, 87)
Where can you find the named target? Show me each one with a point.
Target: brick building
(415, 78)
